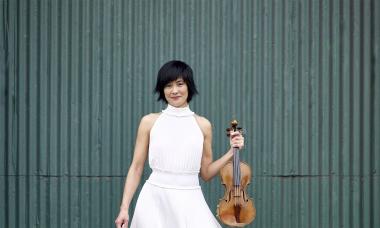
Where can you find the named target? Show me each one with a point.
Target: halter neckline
(174, 111)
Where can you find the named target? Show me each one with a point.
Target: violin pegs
(228, 132)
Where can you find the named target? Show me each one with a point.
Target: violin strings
(237, 175)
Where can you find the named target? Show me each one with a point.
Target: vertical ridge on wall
(5, 114)
(375, 113)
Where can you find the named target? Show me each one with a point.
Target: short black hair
(171, 71)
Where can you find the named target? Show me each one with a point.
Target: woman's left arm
(210, 168)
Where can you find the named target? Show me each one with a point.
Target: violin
(236, 208)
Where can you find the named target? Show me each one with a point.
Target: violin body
(236, 209)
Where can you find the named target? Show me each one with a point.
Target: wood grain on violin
(236, 208)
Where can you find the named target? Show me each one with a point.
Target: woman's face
(176, 93)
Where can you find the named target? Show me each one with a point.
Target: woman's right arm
(136, 169)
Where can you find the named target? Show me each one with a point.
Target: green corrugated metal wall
(302, 76)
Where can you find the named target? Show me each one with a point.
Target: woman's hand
(123, 218)
(236, 140)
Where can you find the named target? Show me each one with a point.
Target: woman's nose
(175, 90)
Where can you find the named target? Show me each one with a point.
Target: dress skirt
(160, 205)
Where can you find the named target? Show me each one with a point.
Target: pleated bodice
(176, 142)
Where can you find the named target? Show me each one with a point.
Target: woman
(179, 146)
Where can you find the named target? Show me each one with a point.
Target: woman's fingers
(234, 133)
(118, 223)
(236, 139)
(121, 222)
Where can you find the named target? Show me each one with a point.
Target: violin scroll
(233, 127)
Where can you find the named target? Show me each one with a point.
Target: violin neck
(236, 165)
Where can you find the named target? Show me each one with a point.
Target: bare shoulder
(148, 120)
(204, 124)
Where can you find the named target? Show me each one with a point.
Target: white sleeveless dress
(172, 196)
